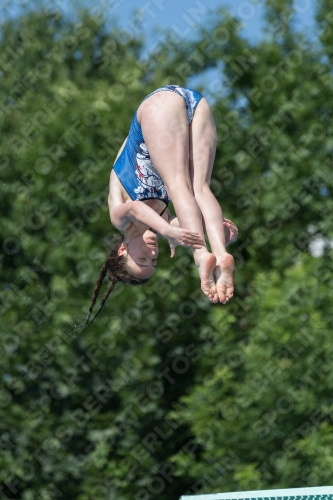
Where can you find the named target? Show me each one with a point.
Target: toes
(225, 292)
(221, 296)
(214, 299)
(214, 294)
(211, 295)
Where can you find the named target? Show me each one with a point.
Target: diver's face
(141, 252)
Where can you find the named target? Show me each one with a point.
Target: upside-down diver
(168, 155)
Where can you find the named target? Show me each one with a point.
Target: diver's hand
(231, 231)
(184, 237)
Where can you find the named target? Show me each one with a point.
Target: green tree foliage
(164, 393)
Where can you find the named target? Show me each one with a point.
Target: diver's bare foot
(223, 275)
(206, 265)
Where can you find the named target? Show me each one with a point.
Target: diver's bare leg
(202, 155)
(166, 133)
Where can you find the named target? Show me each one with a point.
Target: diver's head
(131, 260)
(140, 252)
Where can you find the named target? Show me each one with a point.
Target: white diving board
(318, 493)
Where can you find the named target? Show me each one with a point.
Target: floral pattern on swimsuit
(134, 167)
(150, 183)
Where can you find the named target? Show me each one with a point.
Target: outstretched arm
(122, 216)
(230, 228)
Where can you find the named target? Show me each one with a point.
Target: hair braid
(116, 268)
(111, 287)
(97, 289)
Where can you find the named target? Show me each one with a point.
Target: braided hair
(115, 267)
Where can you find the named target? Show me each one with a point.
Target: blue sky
(181, 14)
(184, 16)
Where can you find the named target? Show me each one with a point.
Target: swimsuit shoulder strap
(164, 209)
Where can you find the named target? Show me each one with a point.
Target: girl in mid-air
(168, 156)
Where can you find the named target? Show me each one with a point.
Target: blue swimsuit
(134, 167)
